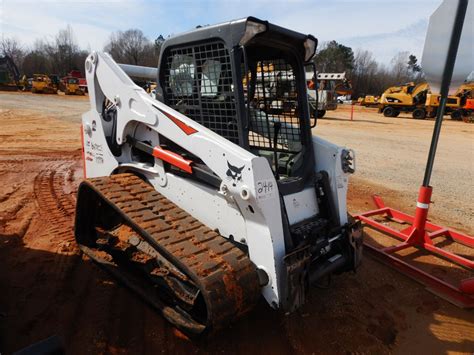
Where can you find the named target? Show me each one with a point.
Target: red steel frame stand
(420, 233)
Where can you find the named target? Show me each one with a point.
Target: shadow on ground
(65, 294)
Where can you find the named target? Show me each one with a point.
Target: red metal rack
(421, 234)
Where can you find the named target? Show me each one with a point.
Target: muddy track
(53, 202)
(225, 276)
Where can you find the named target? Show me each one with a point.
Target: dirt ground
(392, 152)
(48, 288)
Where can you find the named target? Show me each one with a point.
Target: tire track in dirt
(52, 290)
(81, 293)
(52, 235)
(57, 207)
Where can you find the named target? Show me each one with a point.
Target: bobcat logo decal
(234, 173)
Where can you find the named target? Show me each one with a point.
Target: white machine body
(245, 209)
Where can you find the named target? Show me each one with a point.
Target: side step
(197, 279)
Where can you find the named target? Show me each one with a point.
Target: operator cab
(245, 80)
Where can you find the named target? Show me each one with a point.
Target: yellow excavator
(404, 98)
(414, 98)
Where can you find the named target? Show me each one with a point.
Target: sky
(383, 27)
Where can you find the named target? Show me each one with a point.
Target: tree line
(368, 77)
(63, 54)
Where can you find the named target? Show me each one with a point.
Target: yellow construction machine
(71, 86)
(404, 98)
(417, 99)
(43, 84)
(453, 106)
(368, 100)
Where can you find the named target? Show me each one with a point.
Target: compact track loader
(210, 197)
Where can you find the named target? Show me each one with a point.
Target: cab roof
(231, 33)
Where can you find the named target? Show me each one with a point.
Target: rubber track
(224, 274)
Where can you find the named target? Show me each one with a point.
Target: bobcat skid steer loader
(206, 198)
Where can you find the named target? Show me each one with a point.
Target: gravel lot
(65, 107)
(392, 152)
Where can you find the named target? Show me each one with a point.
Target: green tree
(334, 57)
(413, 64)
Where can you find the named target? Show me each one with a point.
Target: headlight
(251, 30)
(310, 48)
